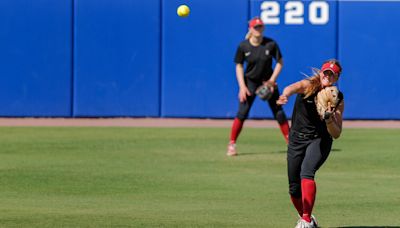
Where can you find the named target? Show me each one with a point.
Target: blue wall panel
(117, 58)
(306, 40)
(105, 58)
(197, 57)
(369, 49)
(35, 56)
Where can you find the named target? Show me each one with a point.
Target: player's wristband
(327, 115)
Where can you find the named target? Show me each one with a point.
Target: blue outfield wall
(369, 48)
(107, 58)
(117, 58)
(35, 56)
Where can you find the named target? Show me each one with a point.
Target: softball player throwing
(310, 138)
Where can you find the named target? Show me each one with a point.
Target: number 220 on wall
(318, 12)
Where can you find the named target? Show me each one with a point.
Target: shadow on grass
(259, 153)
(250, 153)
(279, 152)
(283, 152)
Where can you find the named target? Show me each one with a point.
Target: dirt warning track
(172, 122)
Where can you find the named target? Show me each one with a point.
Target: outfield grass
(160, 177)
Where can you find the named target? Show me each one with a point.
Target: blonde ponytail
(315, 84)
(248, 35)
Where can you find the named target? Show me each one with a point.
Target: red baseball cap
(332, 67)
(255, 21)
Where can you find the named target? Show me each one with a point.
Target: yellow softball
(183, 11)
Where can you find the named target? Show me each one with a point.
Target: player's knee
(242, 116)
(295, 190)
(307, 174)
(281, 117)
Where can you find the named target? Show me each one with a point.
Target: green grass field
(165, 177)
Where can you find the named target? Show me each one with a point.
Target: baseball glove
(329, 96)
(264, 92)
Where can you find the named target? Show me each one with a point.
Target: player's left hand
(326, 102)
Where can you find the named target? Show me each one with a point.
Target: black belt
(301, 135)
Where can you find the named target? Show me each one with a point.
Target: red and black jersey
(259, 59)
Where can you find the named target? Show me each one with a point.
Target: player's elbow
(336, 134)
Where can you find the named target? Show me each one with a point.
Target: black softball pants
(244, 107)
(305, 155)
